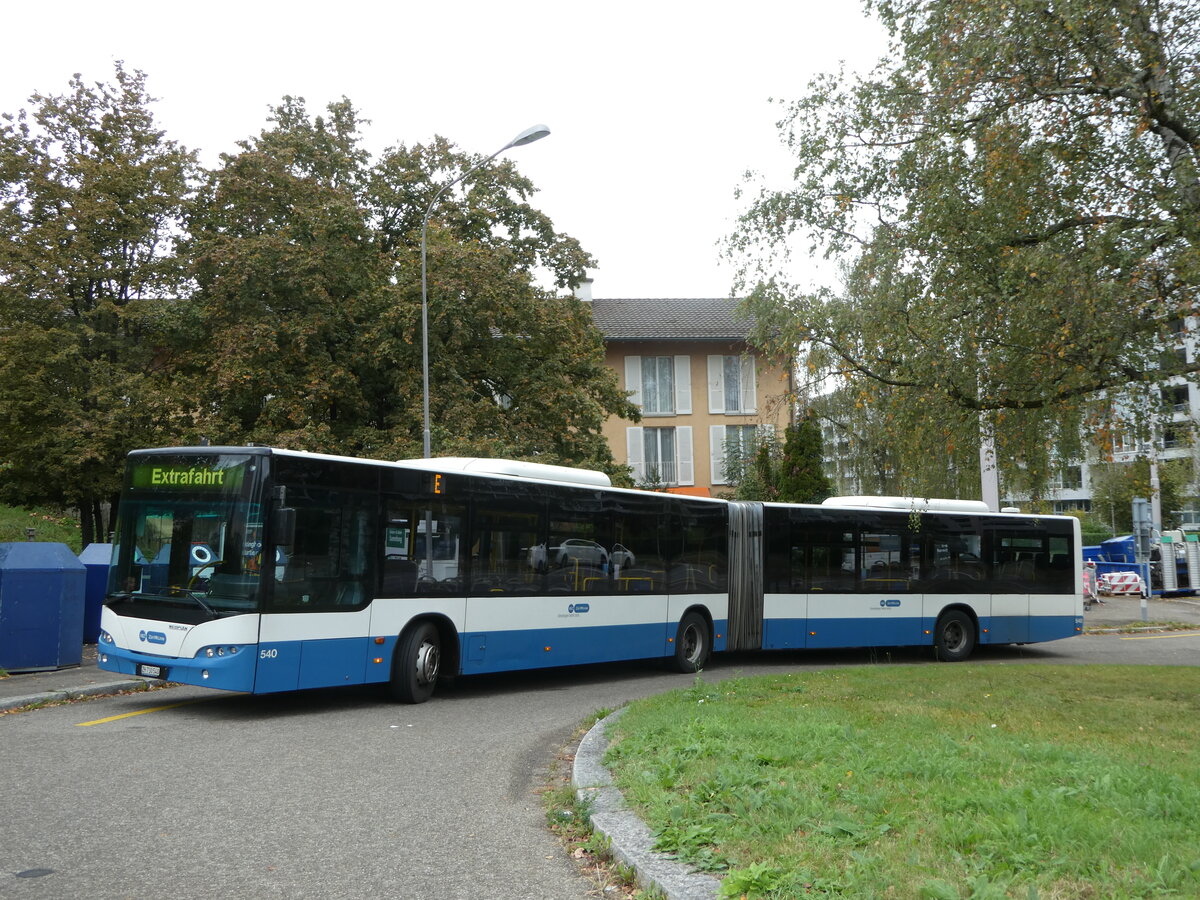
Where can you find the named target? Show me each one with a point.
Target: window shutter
(716, 384)
(749, 386)
(683, 449)
(633, 378)
(635, 453)
(683, 385)
(716, 443)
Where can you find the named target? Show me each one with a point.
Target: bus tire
(693, 643)
(416, 664)
(954, 636)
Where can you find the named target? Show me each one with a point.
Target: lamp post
(528, 136)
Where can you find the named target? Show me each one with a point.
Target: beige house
(705, 393)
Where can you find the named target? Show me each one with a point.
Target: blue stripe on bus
(506, 651)
(720, 639)
(799, 634)
(1052, 628)
(228, 673)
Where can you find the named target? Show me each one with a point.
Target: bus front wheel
(693, 643)
(416, 664)
(954, 637)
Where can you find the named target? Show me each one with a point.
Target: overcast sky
(656, 109)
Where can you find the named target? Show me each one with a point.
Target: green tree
(91, 194)
(1013, 194)
(515, 370)
(306, 325)
(287, 278)
(789, 472)
(756, 474)
(1114, 485)
(802, 476)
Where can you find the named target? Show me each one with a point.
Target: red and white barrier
(1119, 584)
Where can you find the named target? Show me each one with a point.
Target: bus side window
(507, 556)
(703, 565)
(832, 566)
(332, 562)
(422, 549)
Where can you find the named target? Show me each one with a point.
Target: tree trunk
(98, 514)
(114, 503)
(87, 521)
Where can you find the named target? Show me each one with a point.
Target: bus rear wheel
(416, 664)
(693, 643)
(954, 637)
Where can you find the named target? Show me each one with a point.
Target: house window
(658, 384)
(731, 385)
(740, 446)
(1177, 397)
(1072, 478)
(732, 447)
(1178, 435)
(659, 455)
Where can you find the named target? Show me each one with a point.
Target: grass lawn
(927, 781)
(48, 525)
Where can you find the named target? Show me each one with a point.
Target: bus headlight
(212, 652)
(106, 638)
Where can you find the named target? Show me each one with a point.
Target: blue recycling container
(41, 607)
(1120, 549)
(95, 558)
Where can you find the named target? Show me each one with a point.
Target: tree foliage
(1115, 485)
(276, 298)
(791, 472)
(305, 329)
(802, 476)
(91, 194)
(286, 275)
(1013, 194)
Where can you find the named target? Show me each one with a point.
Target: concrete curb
(56, 696)
(629, 838)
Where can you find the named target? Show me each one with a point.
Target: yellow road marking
(139, 712)
(1157, 637)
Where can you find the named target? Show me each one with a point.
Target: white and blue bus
(260, 570)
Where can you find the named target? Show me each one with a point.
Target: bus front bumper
(230, 672)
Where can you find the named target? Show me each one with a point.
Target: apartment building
(705, 393)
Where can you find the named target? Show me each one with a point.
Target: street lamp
(528, 136)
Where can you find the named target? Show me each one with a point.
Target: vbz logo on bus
(152, 637)
(891, 604)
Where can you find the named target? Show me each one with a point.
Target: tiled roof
(671, 320)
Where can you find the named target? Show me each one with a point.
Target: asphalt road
(185, 792)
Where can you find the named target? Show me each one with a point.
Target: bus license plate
(148, 671)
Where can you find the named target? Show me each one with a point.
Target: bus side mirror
(283, 526)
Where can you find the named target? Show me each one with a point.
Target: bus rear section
(845, 576)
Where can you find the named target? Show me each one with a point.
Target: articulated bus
(259, 570)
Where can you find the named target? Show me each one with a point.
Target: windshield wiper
(175, 591)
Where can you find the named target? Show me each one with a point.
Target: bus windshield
(188, 542)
